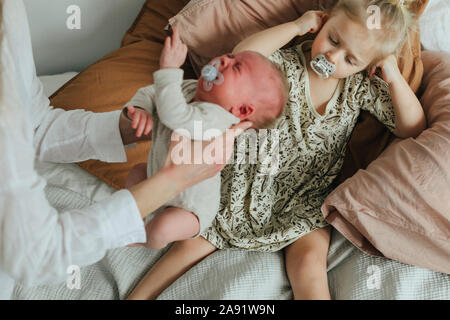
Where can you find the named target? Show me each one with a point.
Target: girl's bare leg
(306, 265)
(175, 262)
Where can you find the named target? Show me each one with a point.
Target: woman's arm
(270, 40)
(410, 119)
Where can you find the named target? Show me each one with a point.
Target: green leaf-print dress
(264, 212)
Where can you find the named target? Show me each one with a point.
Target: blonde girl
(331, 79)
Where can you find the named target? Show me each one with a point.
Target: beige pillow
(213, 27)
(399, 207)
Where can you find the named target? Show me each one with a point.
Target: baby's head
(359, 33)
(253, 88)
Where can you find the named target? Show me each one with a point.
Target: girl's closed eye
(335, 43)
(349, 61)
(237, 66)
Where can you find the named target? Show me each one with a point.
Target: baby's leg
(175, 262)
(171, 224)
(306, 265)
(137, 174)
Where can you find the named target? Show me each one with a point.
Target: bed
(352, 274)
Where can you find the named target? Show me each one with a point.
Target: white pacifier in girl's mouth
(322, 66)
(212, 76)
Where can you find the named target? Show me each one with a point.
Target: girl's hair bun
(397, 19)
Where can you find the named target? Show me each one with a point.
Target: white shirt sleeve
(73, 136)
(37, 244)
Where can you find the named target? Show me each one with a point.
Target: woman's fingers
(142, 125)
(225, 141)
(130, 111)
(148, 126)
(175, 36)
(136, 120)
(167, 46)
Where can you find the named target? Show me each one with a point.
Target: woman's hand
(311, 21)
(141, 120)
(127, 133)
(390, 71)
(198, 169)
(174, 52)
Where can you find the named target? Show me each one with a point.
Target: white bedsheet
(225, 274)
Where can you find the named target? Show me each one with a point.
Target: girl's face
(346, 44)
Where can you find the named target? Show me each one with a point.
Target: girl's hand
(174, 52)
(187, 175)
(389, 69)
(142, 121)
(311, 21)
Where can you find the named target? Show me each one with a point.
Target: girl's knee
(160, 233)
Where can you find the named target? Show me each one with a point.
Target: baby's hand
(390, 71)
(142, 121)
(174, 52)
(311, 21)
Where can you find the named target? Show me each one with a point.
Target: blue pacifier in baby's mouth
(212, 76)
(322, 66)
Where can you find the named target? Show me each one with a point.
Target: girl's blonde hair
(396, 20)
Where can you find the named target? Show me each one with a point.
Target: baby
(329, 86)
(232, 88)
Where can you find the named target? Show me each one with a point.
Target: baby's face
(245, 76)
(346, 44)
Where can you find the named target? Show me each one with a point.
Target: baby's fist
(174, 52)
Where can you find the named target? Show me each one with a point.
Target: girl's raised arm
(270, 40)
(410, 118)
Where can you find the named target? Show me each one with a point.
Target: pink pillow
(213, 27)
(399, 207)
